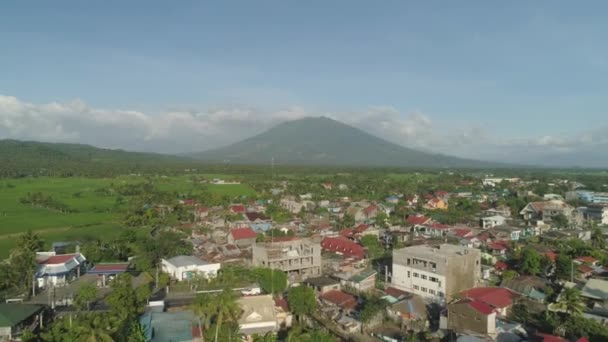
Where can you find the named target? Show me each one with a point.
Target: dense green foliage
(302, 300)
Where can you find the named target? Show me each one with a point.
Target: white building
(436, 272)
(259, 315)
(58, 270)
(185, 267)
(492, 221)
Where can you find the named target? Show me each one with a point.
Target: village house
(16, 318)
(242, 237)
(186, 267)
(258, 221)
(284, 316)
(58, 270)
(410, 311)
(258, 316)
(492, 221)
(545, 211)
(343, 246)
(501, 210)
(360, 281)
(323, 284)
(436, 204)
(342, 300)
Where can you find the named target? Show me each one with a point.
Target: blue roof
(169, 326)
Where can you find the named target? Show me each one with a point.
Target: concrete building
(185, 267)
(258, 317)
(545, 211)
(58, 270)
(596, 213)
(492, 221)
(300, 258)
(590, 197)
(436, 273)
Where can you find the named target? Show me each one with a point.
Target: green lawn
(93, 214)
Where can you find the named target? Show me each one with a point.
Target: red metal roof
(551, 255)
(243, 233)
(282, 303)
(585, 269)
(57, 259)
(341, 299)
(256, 216)
(586, 259)
(417, 219)
(462, 232)
(343, 246)
(498, 246)
(550, 338)
(480, 306)
(439, 226)
(370, 209)
(238, 208)
(501, 265)
(498, 297)
(391, 291)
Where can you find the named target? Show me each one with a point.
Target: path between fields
(40, 232)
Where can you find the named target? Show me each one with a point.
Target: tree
(509, 274)
(381, 219)
(271, 281)
(123, 301)
(348, 221)
(597, 239)
(95, 328)
(86, 294)
(228, 306)
(530, 261)
(302, 300)
(563, 266)
(205, 307)
(29, 241)
(560, 220)
(570, 301)
(372, 306)
(374, 247)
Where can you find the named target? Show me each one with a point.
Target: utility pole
(572, 271)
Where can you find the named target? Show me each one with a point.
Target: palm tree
(95, 329)
(597, 239)
(570, 301)
(205, 306)
(228, 306)
(29, 241)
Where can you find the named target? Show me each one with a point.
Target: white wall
(401, 280)
(208, 271)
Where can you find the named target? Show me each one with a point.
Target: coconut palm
(95, 328)
(226, 301)
(205, 306)
(570, 301)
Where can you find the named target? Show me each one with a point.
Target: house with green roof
(15, 318)
(362, 282)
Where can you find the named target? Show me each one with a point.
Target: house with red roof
(417, 220)
(471, 315)
(412, 201)
(498, 247)
(501, 266)
(258, 221)
(238, 209)
(477, 309)
(436, 203)
(585, 271)
(201, 212)
(463, 232)
(342, 300)
(437, 229)
(370, 211)
(188, 202)
(58, 270)
(242, 237)
(343, 246)
(586, 260)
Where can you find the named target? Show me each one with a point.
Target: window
(433, 279)
(409, 274)
(477, 262)
(440, 293)
(416, 287)
(432, 291)
(408, 261)
(415, 275)
(423, 276)
(423, 289)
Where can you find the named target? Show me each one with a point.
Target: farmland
(91, 211)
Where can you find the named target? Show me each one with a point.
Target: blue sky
(513, 73)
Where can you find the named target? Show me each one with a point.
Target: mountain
(325, 142)
(28, 157)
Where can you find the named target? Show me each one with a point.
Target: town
(452, 256)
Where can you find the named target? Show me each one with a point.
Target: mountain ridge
(323, 141)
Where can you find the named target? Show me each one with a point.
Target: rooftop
(186, 260)
(12, 314)
(596, 289)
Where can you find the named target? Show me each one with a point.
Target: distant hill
(323, 141)
(19, 158)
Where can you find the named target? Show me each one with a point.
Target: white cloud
(196, 130)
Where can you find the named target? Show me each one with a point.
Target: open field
(92, 213)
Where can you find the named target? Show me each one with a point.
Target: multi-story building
(596, 213)
(588, 196)
(546, 211)
(300, 258)
(436, 272)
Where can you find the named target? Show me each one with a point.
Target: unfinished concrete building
(300, 258)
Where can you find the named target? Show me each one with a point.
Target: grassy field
(93, 214)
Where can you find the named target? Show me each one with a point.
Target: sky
(515, 81)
